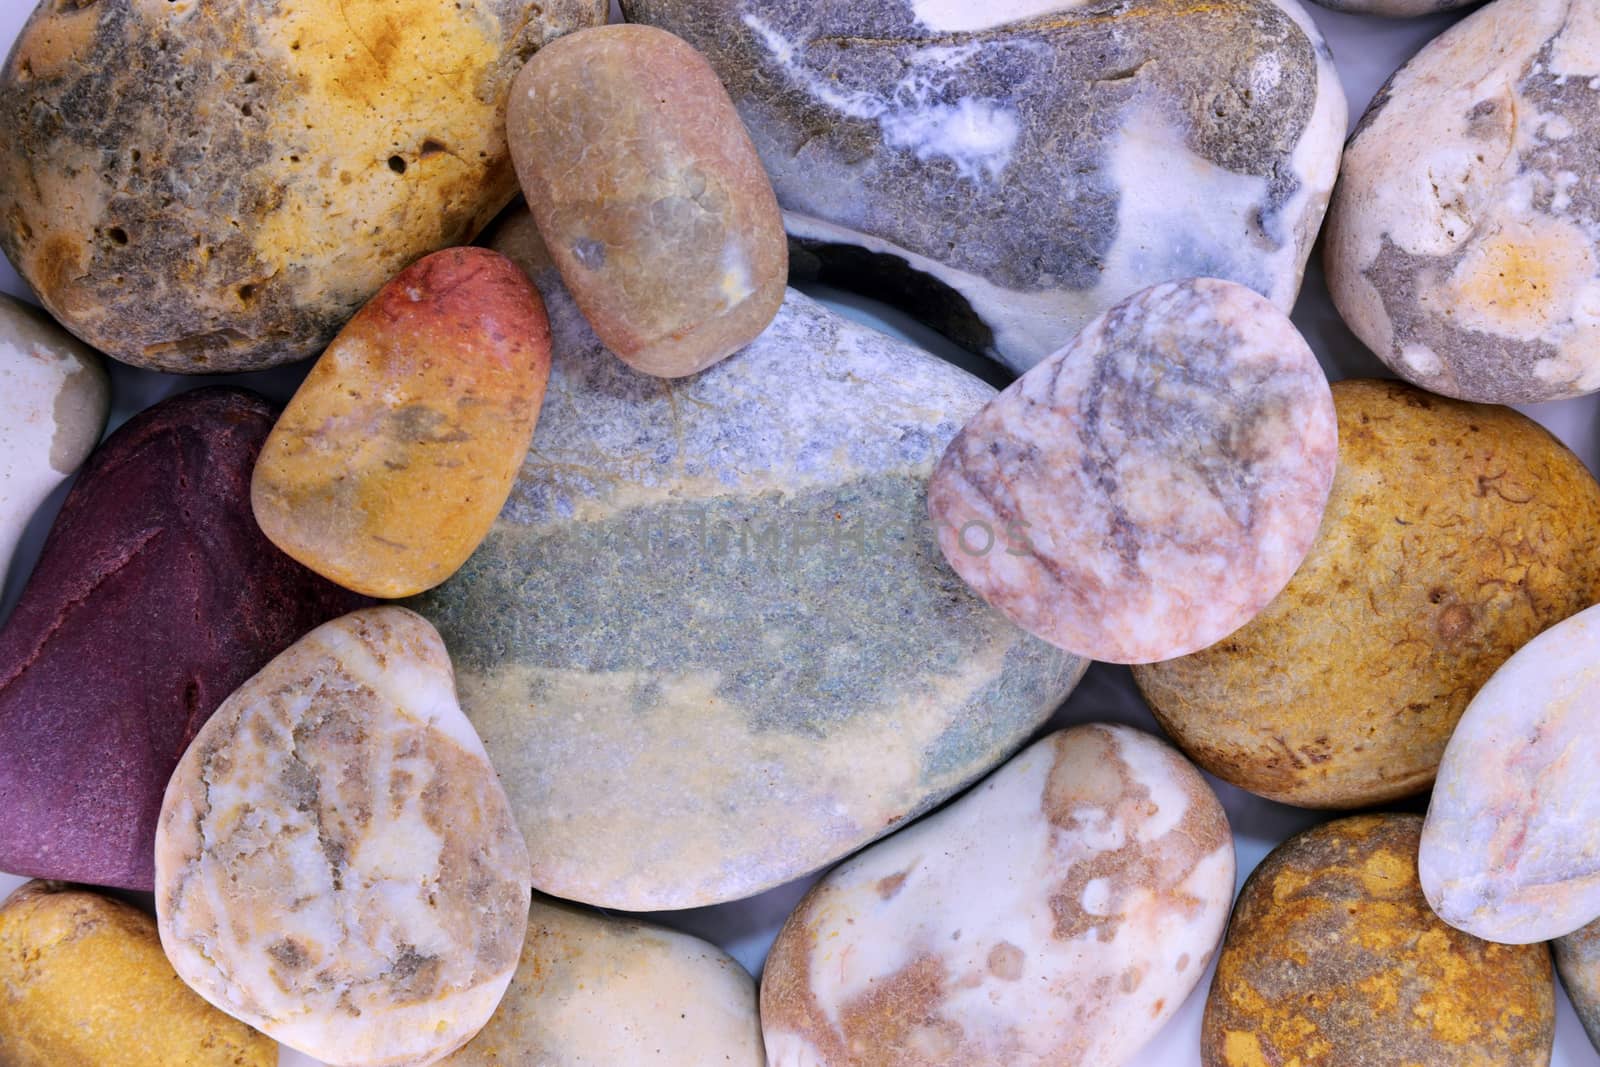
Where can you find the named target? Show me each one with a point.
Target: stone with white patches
(54, 399)
(1157, 481)
(336, 863)
(1511, 847)
(650, 196)
(1007, 171)
(600, 991)
(1467, 220)
(712, 629)
(999, 933)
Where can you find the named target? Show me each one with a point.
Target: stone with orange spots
(596, 990)
(1333, 958)
(336, 863)
(650, 197)
(83, 983)
(390, 464)
(217, 185)
(1464, 236)
(1454, 534)
(1058, 914)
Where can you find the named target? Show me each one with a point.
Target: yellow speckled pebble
(84, 983)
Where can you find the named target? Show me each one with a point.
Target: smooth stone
(1464, 239)
(394, 457)
(154, 597)
(712, 629)
(1578, 961)
(336, 863)
(1394, 9)
(600, 991)
(1147, 490)
(1059, 913)
(1008, 171)
(650, 197)
(1333, 960)
(1512, 842)
(1454, 534)
(54, 398)
(200, 186)
(84, 983)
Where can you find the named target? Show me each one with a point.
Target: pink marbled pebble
(1147, 490)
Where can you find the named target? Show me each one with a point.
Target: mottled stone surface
(54, 398)
(336, 863)
(1464, 240)
(1147, 490)
(208, 186)
(1007, 171)
(83, 983)
(1058, 914)
(1454, 534)
(1512, 842)
(1578, 961)
(154, 597)
(596, 991)
(393, 459)
(1395, 9)
(712, 628)
(1334, 960)
(650, 196)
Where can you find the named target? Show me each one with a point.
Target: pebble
(1147, 490)
(391, 462)
(1463, 243)
(1333, 959)
(85, 984)
(336, 862)
(1578, 961)
(154, 597)
(638, 170)
(1513, 833)
(1059, 913)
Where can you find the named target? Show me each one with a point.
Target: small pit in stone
(397, 164)
(118, 235)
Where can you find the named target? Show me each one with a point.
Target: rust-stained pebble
(1334, 959)
(650, 196)
(390, 464)
(336, 863)
(1058, 914)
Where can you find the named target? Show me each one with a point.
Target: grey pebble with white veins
(1008, 170)
(711, 644)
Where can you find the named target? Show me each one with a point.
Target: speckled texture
(1394, 9)
(598, 991)
(1009, 170)
(1058, 914)
(210, 186)
(712, 628)
(1464, 241)
(1512, 841)
(154, 597)
(1454, 534)
(400, 448)
(1578, 961)
(83, 983)
(640, 173)
(1334, 960)
(1148, 489)
(336, 863)
(54, 398)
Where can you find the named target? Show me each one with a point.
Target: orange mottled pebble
(392, 461)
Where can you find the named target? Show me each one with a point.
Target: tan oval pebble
(1455, 533)
(1149, 488)
(1057, 914)
(1463, 240)
(83, 983)
(650, 197)
(600, 991)
(336, 863)
(1333, 959)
